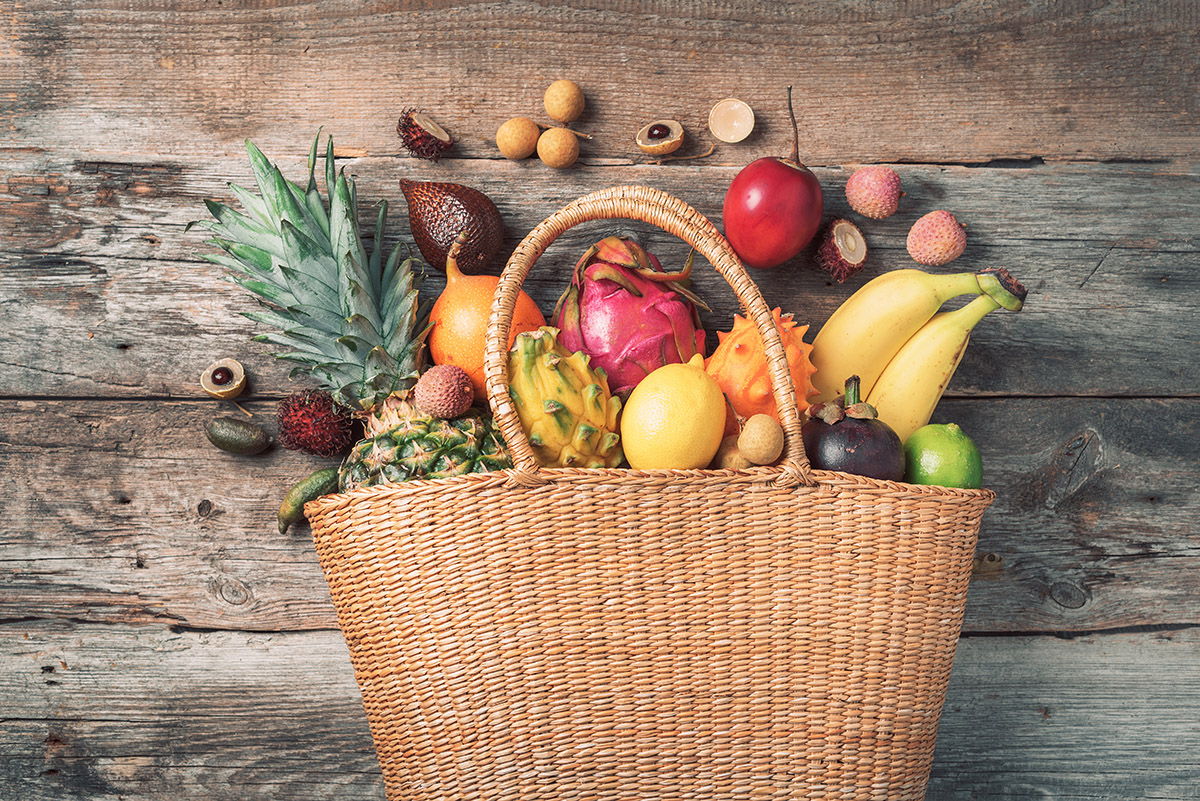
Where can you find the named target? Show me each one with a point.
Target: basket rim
(674, 216)
(752, 479)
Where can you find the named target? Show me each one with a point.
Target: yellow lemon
(674, 418)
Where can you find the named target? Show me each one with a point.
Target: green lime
(942, 455)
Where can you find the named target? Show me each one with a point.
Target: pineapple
(403, 444)
(346, 316)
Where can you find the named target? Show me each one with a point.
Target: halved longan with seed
(224, 379)
(660, 137)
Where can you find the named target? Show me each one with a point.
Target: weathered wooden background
(159, 638)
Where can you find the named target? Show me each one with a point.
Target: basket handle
(679, 219)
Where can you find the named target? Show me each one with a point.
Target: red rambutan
(423, 137)
(843, 250)
(311, 422)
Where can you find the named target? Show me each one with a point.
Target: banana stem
(954, 284)
(969, 316)
(1000, 285)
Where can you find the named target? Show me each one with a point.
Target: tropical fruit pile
(620, 376)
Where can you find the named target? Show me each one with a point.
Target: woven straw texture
(563, 634)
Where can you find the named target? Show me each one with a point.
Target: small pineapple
(564, 404)
(403, 444)
(347, 316)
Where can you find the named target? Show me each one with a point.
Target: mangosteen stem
(795, 131)
(851, 391)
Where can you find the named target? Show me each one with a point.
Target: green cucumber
(308, 489)
(237, 436)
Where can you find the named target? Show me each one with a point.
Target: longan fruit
(564, 101)
(518, 138)
(558, 148)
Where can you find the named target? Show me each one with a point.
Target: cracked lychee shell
(843, 249)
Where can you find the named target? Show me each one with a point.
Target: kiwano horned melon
(739, 365)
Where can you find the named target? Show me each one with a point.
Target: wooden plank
(1090, 492)
(114, 712)
(914, 82)
(158, 524)
(137, 206)
(105, 297)
(1077, 719)
(1091, 530)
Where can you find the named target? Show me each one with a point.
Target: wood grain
(1094, 718)
(1087, 490)
(921, 81)
(1091, 528)
(107, 298)
(160, 640)
(144, 712)
(123, 712)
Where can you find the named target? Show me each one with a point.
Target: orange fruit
(943, 455)
(739, 364)
(460, 319)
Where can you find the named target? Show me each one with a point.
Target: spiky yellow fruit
(564, 404)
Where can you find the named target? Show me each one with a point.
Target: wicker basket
(578, 634)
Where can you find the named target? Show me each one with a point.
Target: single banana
(873, 324)
(911, 385)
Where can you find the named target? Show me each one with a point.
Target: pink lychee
(874, 191)
(936, 239)
(444, 391)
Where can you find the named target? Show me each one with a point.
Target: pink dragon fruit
(627, 314)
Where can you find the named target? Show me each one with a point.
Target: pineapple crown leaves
(348, 317)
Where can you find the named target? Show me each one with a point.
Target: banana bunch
(891, 335)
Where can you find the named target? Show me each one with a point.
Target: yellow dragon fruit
(564, 404)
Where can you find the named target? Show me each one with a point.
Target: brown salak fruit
(439, 212)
